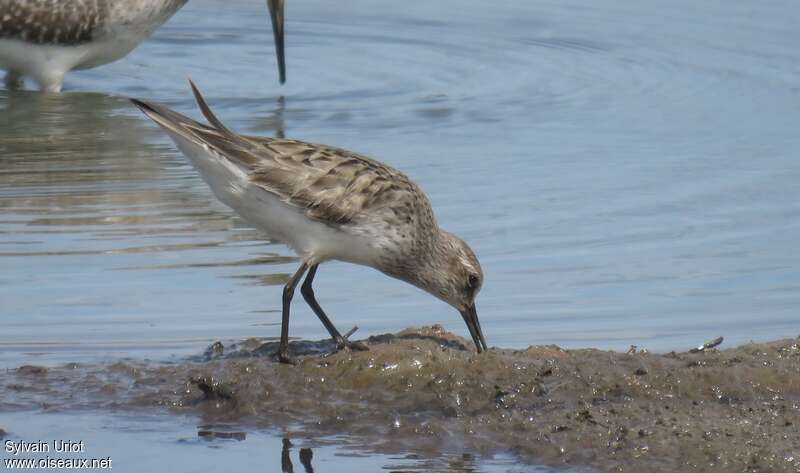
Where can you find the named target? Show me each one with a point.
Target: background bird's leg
(308, 294)
(288, 293)
(13, 80)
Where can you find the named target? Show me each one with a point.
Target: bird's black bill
(276, 15)
(471, 318)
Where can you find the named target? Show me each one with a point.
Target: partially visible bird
(45, 39)
(326, 204)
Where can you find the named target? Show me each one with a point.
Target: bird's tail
(168, 119)
(227, 145)
(178, 123)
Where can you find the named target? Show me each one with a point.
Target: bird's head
(454, 275)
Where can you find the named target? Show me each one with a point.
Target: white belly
(128, 23)
(314, 241)
(47, 63)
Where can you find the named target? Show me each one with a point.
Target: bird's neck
(421, 268)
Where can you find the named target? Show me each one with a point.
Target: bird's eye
(473, 281)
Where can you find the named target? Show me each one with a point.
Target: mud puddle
(423, 392)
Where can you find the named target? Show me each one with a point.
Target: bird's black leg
(288, 293)
(308, 295)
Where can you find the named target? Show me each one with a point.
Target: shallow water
(136, 442)
(627, 174)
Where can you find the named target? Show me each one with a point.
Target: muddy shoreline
(735, 409)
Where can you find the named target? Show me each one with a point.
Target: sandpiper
(45, 39)
(327, 204)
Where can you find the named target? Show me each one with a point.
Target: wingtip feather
(141, 104)
(164, 117)
(201, 102)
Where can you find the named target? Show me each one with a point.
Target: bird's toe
(284, 358)
(354, 346)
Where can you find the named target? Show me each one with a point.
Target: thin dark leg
(288, 293)
(308, 294)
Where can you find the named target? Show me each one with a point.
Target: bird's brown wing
(51, 21)
(329, 184)
(334, 185)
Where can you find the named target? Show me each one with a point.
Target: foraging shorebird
(45, 39)
(328, 204)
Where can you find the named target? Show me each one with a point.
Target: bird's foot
(344, 343)
(283, 357)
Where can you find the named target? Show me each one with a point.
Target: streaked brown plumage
(329, 203)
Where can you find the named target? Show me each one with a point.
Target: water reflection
(275, 119)
(88, 188)
(123, 436)
(286, 461)
(305, 455)
(464, 463)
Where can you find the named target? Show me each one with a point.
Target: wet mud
(715, 410)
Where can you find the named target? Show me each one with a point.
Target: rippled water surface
(627, 173)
